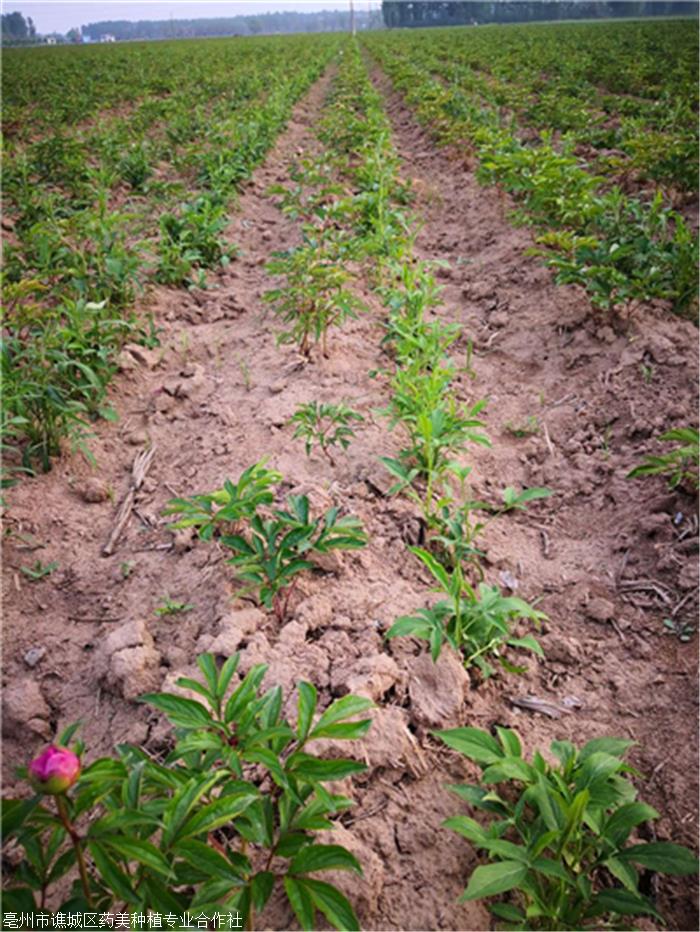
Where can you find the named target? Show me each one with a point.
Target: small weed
(326, 425)
(468, 363)
(682, 630)
(528, 428)
(647, 373)
(680, 465)
(127, 568)
(169, 607)
(39, 570)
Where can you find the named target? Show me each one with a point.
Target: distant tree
(74, 35)
(14, 26)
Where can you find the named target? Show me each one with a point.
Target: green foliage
(227, 507)
(191, 241)
(225, 820)
(326, 425)
(539, 107)
(39, 570)
(172, 607)
(86, 196)
(271, 545)
(315, 296)
(477, 623)
(680, 464)
(559, 837)
(55, 370)
(275, 550)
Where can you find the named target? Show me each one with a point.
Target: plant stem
(75, 838)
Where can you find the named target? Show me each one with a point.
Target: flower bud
(54, 771)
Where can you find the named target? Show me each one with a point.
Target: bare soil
(610, 557)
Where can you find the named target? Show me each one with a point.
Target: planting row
(51, 89)
(618, 247)
(232, 815)
(97, 215)
(607, 87)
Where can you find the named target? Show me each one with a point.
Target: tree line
(242, 25)
(398, 13)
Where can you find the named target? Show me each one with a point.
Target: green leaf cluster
(559, 837)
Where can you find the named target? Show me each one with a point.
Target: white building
(107, 37)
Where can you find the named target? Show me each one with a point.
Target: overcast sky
(59, 16)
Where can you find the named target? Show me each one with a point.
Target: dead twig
(647, 585)
(682, 603)
(543, 706)
(139, 470)
(562, 401)
(95, 620)
(623, 564)
(547, 440)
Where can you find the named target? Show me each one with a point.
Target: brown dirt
(604, 552)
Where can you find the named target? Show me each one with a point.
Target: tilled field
(574, 401)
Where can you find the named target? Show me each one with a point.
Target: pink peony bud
(54, 771)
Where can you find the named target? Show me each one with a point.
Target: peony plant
(228, 816)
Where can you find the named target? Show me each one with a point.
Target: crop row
(546, 77)
(99, 214)
(232, 814)
(48, 89)
(618, 247)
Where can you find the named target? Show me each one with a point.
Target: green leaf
(468, 828)
(663, 856)
(624, 872)
(477, 745)
(14, 813)
(331, 902)
(492, 879)
(437, 569)
(184, 713)
(510, 768)
(184, 799)
(315, 769)
(551, 868)
(624, 819)
(613, 746)
(508, 912)
(225, 675)
(301, 902)
(133, 849)
(322, 858)
(621, 901)
(347, 731)
(338, 711)
(547, 800)
(207, 665)
(205, 858)
(119, 882)
(307, 706)
(527, 642)
(597, 767)
(215, 814)
(261, 888)
(64, 739)
(509, 742)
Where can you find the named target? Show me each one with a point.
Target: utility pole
(352, 18)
